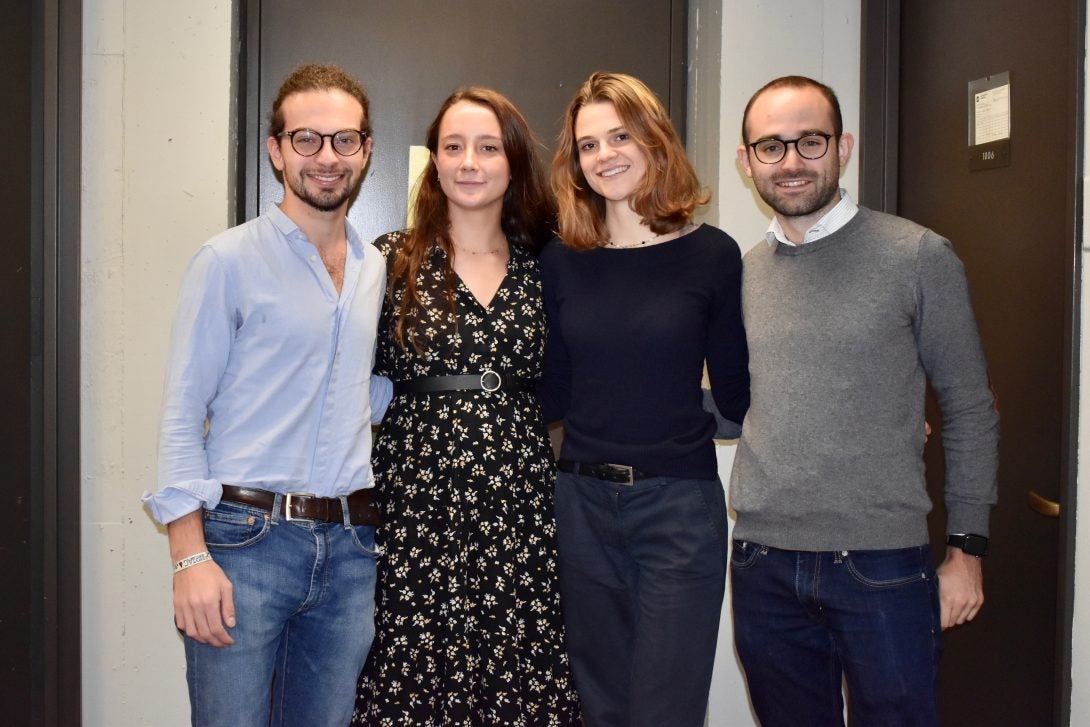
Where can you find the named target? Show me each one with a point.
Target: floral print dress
(468, 628)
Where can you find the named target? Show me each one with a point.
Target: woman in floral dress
(468, 623)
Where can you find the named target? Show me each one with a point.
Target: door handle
(1046, 507)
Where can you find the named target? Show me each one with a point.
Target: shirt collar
(830, 222)
(281, 220)
(290, 230)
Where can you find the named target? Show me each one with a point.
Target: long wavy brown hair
(669, 192)
(527, 217)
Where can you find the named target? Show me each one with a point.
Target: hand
(961, 587)
(203, 604)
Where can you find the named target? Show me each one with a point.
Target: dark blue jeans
(642, 575)
(805, 622)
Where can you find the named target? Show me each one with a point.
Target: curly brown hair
(669, 192)
(527, 217)
(318, 77)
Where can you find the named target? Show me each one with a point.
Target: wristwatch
(972, 544)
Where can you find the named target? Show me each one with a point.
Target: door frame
(40, 534)
(250, 152)
(55, 390)
(879, 136)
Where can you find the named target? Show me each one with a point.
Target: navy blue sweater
(629, 332)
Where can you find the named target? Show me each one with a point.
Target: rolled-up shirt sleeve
(204, 326)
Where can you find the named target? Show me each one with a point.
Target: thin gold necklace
(616, 246)
(493, 251)
(683, 230)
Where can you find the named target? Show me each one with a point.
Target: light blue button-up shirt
(268, 379)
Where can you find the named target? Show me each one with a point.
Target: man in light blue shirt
(264, 453)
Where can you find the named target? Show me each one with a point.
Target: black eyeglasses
(811, 146)
(308, 142)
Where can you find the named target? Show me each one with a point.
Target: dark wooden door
(410, 54)
(1015, 229)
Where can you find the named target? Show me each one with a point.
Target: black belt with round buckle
(618, 474)
(487, 380)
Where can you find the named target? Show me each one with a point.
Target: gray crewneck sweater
(842, 333)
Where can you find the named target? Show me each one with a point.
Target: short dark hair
(797, 82)
(318, 77)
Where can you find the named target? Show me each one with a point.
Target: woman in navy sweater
(638, 299)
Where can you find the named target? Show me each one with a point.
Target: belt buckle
(487, 373)
(287, 504)
(625, 471)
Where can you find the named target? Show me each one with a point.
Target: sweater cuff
(966, 518)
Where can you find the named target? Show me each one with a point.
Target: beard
(323, 200)
(824, 189)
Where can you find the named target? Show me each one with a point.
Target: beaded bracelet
(192, 560)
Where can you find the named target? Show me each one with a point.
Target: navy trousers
(642, 575)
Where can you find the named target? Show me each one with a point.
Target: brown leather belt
(362, 509)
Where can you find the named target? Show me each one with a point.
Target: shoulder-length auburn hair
(669, 192)
(527, 217)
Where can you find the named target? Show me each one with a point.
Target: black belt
(619, 474)
(362, 509)
(487, 380)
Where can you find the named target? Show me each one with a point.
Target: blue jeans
(805, 622)
(304, 594)
(642, 576)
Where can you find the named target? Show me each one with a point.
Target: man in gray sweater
(848, 313)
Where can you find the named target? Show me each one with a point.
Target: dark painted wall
(16, 556)
(411, 54)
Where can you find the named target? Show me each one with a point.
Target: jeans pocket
(888, 568)
(743, 554)
(364, 538)
(231, 526)
(715, 506)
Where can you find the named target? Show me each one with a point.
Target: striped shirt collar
(834, 219)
